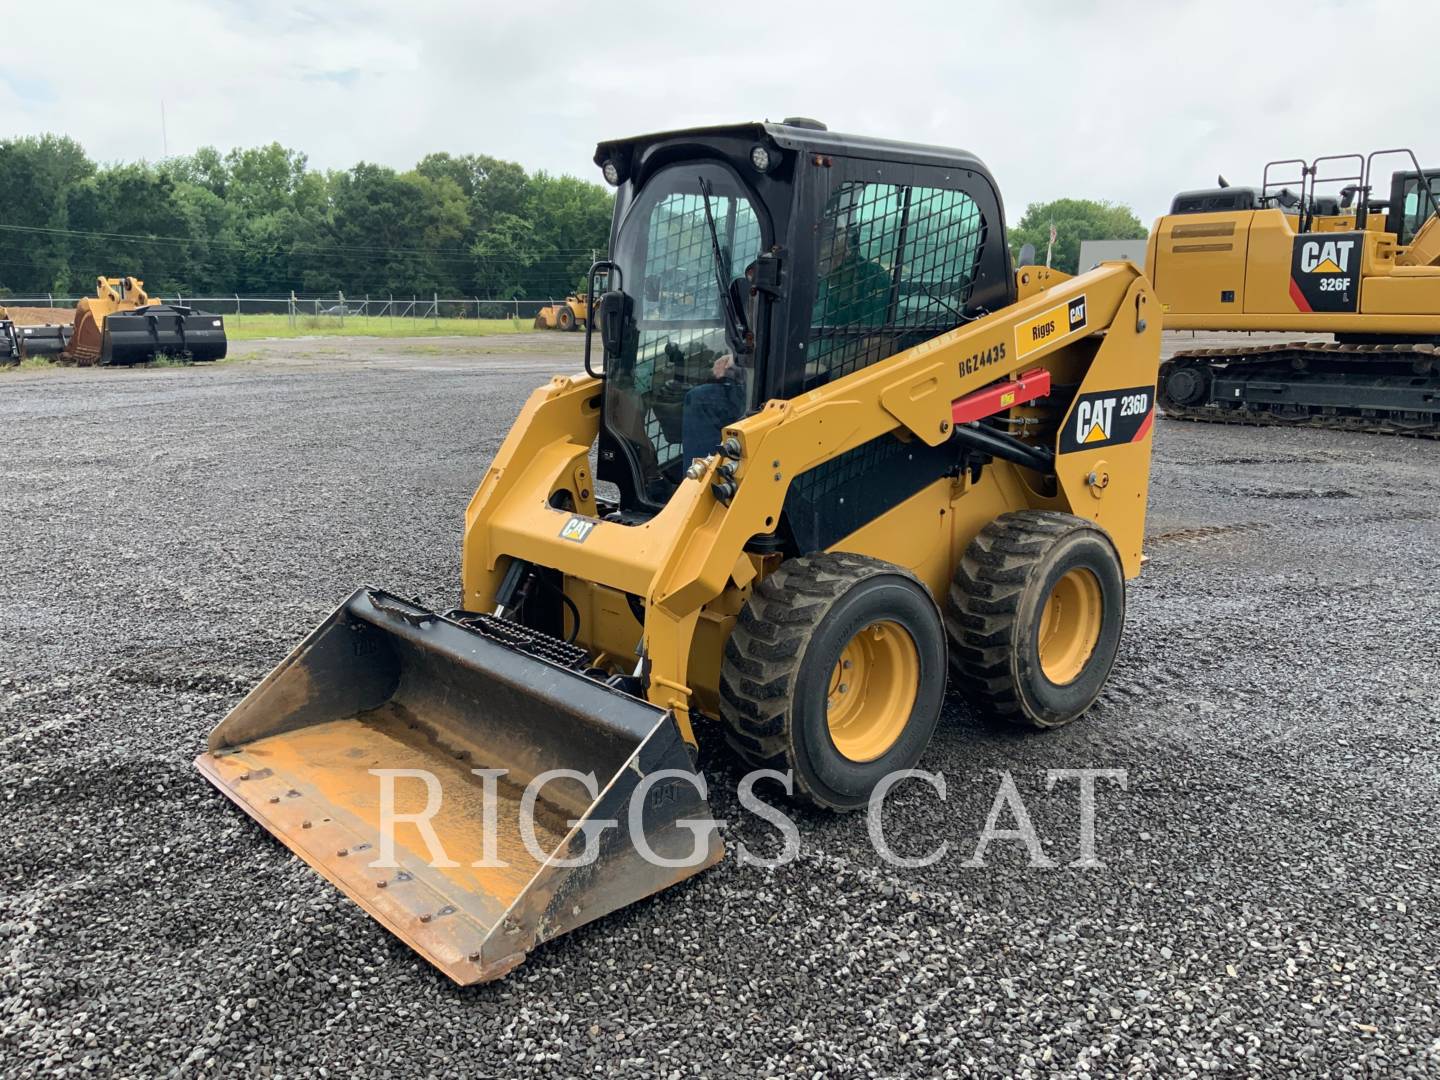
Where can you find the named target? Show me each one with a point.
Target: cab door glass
(676, 384)
(1417, 207)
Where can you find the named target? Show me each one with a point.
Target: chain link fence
(337, 306)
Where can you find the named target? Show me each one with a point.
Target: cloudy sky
(1121, 99)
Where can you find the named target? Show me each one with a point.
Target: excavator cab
(1412, 215)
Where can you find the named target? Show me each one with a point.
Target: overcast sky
(1116, 99)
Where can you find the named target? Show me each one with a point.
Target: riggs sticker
(1107, 418)
(1325, 272)
(1060, 321)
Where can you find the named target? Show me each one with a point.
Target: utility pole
(164, 137)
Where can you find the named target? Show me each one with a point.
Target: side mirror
(613, 276)
(616, 309)
(1027, 255)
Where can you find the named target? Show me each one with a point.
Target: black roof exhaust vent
(804, 122)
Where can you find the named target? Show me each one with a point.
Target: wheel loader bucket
(359, 752)
(136, 337)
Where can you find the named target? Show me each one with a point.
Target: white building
(1094, 252)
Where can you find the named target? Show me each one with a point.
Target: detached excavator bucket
(469, 870)
(138, 336)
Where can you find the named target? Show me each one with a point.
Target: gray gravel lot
(1269, 897)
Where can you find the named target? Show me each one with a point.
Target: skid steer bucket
(136, 337)
(472, 871)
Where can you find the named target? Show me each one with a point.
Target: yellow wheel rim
(1070, 626)
(872, 691)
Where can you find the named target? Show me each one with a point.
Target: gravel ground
(1267, 904)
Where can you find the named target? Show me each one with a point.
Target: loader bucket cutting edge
(385, 684)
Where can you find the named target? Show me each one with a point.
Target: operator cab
(1413, 198)
(758, 261)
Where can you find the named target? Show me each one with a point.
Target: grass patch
(258, 327)
(31, 363)
(253, 354)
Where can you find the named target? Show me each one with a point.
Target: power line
(252, 245)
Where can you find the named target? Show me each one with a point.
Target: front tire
(835, 671)
(1035, 615)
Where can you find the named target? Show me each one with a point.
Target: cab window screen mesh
(895, 265)
(680, 259)
(669, 254)
(682, 328)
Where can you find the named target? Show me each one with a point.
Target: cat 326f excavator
(847, 449)
(1325, 256)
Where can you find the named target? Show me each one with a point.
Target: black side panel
(1325, 271)
(831, 501)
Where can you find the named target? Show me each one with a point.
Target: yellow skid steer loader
(829, 449)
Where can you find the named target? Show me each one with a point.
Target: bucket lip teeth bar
(473, 923)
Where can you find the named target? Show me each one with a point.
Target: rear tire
(1035, 614)
(565, 318)
(835, 672)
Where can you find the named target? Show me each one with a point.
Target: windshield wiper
(736, 332)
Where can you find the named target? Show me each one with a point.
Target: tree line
(262, 221)
(1074, 220)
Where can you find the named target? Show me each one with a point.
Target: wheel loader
(1314, 250)
(569, 315)
(830, 449)
(122, 325)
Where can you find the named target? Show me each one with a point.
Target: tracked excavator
(842, 450)
(1315, 250)
(122, 325)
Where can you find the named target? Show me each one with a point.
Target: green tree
(1074, 220)
(505, 258)
(36, 173)
(572, 228)
(128, 219)
(260, 220)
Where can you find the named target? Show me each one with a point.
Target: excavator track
(1386, 389)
